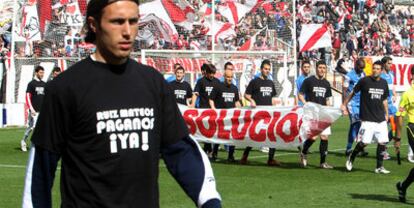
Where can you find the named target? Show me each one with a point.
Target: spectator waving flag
(314, 36)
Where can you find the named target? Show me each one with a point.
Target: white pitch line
(252, 157)
(296, 153)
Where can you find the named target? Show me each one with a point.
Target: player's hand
(386, 118)
(393, 99)
(34, 113)
(344, 110)
(253, 104)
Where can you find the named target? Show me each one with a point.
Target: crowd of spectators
(274, 19)
(358, 28)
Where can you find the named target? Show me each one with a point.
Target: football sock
(307, 145)
(271, 153)
(409, 180)
(380, 155)
(323, 150)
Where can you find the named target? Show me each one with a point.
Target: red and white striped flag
(234, 12)
(314, 36)
(181, 12)
(146, 9)
(248, 45)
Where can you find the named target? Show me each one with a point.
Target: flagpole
(294, 38)
(11, 72)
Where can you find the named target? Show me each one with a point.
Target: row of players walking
(368, 100)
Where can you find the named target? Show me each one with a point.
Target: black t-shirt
(262, 91)
(225, 96)
(204, 87)
(373, 93)
(109, 123)
(182, 91)
(316, 90)
(37, 90)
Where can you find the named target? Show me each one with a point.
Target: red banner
(263, 126)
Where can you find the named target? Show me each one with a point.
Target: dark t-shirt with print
(316, 90)
(36, 88)
(109, 123)
(182, 91)
(204, 87)
(225, 96)
(373, 93)
(262, 91)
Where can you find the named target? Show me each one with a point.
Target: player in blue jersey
(306, 66)
(388, 75)
(351, 79)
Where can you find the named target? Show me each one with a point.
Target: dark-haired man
(182, 89)
(224, 96)
(351, 79)
(373, 114)
(202, 91)
(305, 69)
(388, 76)
(317, 89)
(112, 125)
(55, 72)
(34, 97)
(260, 92)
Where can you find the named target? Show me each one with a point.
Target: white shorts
(370, 131)
(326, 132)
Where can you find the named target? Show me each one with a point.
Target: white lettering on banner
(263, 126)
(401, 68)
(266, 91)
(126, 127)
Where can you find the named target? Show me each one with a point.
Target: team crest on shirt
(127, 128)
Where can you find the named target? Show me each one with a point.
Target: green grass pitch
(255, 185)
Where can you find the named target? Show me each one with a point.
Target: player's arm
(250, 99)
(193, 99)
(48, 141)
(196, 93)
(302, 91)
(184, 159)
(302, 98)
(385, 103)
(211, 102)
(29, 93)
(394, 94)
(190, 167)
(40, 174)
(400, 115)
(189, 96)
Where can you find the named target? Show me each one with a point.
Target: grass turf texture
(256, 185)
